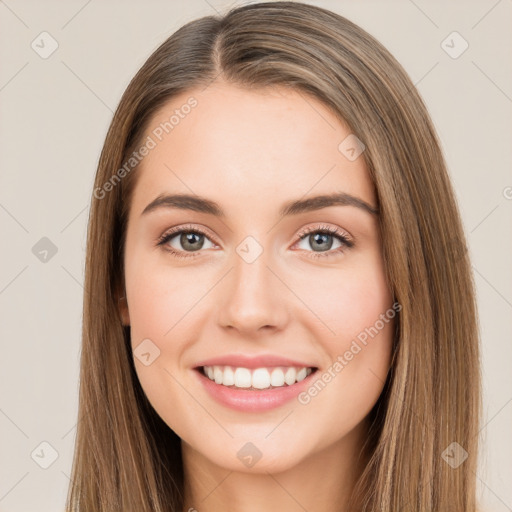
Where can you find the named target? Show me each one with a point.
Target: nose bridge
(252, 295)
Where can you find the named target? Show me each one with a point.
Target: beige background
(55, 113)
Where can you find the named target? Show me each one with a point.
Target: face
(229, 283)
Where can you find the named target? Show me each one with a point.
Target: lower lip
(249, 400)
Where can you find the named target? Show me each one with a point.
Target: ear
(122, 306)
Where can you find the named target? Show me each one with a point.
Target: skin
(252, 151)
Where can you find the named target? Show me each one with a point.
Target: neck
(322, 482)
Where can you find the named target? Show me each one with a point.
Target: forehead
(263, 146)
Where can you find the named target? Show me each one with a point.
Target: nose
(253, 298)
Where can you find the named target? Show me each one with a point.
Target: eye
(188, 241)
(322, 238)
(184, 240)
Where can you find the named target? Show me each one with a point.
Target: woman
(279, 310)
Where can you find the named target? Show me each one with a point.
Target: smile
(256, 379)
(256, 389)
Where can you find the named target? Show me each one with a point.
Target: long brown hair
(126, 457)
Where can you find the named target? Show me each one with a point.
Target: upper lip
(245, 361)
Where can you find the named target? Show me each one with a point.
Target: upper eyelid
(335, 231)
(186, 229)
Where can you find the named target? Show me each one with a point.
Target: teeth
(242, 377)
(277, 377)
(260, 378)
(217, 375)
(302, 374)
(290, 375)
(228, 378)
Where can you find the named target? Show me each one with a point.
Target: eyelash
(327, 230)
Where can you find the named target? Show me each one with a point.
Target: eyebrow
(204, 205)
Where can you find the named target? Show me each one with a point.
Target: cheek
(160, 299)
(357, 321)
(346, 300)
(161, 310)
(164, 304)
(358, 307)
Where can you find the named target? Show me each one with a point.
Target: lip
(252, 400)
(253, 362)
